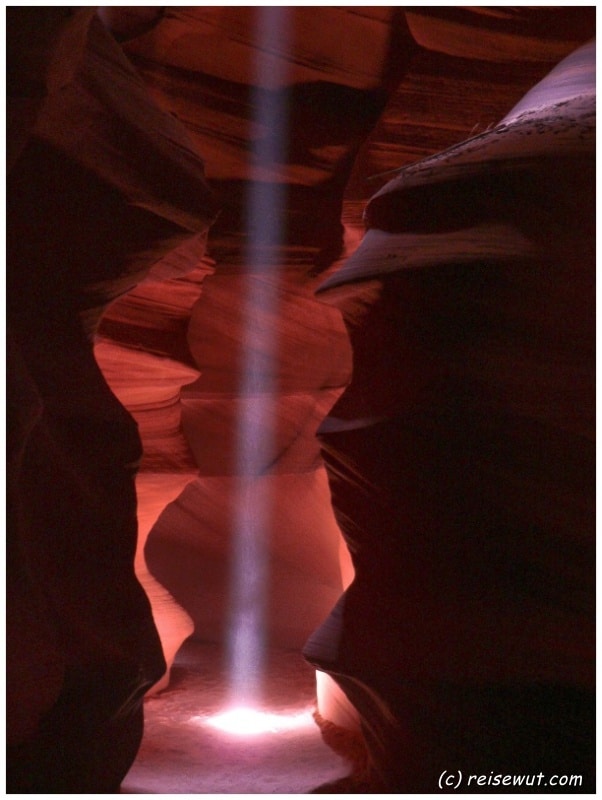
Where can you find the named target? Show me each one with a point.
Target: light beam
(265, 220)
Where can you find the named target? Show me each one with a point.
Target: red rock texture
(461, 456)
(85, 221)
(141, 288)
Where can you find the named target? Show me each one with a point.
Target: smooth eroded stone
(461, 458)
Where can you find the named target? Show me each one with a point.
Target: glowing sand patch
(251, 722)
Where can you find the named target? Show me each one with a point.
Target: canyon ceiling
(314, 285)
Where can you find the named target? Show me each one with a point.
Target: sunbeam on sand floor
(189, 746)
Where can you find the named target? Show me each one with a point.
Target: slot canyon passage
(300, 307)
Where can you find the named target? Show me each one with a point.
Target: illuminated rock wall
(264, 113)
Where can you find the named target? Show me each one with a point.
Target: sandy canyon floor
(182, 753)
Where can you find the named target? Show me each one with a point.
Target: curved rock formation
(461, 457)
(142, 351)
(86, 219)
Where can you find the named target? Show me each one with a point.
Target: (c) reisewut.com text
(455, 779)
